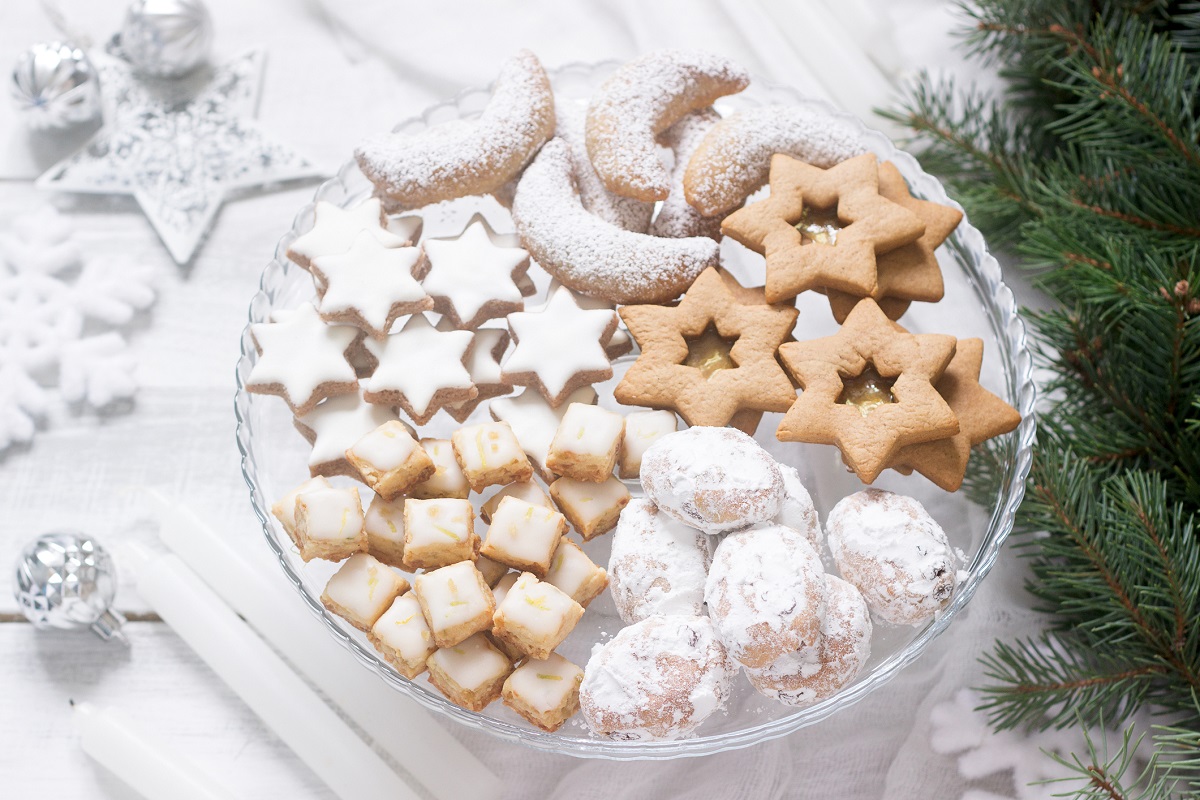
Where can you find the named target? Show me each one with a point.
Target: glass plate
(977, 303)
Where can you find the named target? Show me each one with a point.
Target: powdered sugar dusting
(657, 679)
(734, 159)
(641, 100)
(590, 255)
(714, 479)
(624, 212)
(889, 547)
(676, 218)
(658, 565)
(766, 594)
(472, 157)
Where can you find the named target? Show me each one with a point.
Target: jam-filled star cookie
(472, 279)
(823, 228)
(868, 389)
(709, 357)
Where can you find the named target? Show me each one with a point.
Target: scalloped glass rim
(983, 271)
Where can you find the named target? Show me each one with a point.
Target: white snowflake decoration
(51, 300)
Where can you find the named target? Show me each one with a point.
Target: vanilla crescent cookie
(641, 100)
(676, 218)
(734, 158)
(624, 212)
(590, 255)
(471, 158)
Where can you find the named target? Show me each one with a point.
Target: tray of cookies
(623, 410)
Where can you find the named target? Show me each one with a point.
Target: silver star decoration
(180, 147)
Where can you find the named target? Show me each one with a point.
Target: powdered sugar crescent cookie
(734, 158)
(590, 255)
(809, 676)
(624, 212)
(641, 100)
(657, 679)
(889, 547)
(676, 218)
(657, 565)
(766, 594)
(469, 158)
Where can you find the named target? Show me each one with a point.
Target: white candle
(256, 674)
(149, 768)
(397, 724)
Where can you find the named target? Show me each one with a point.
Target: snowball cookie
(714, 479)
(657, 679)
(806, 676)
(658, 565)
(797, 510)
(889, 547)
(766, 594)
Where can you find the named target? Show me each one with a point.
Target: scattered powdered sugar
(657, 566)
(735, 157)
(641, 100)
(590, 255)
(624, 212)
(714, 479)
(766, 594)
(676, 218)
(467, 157)
(889, 547)
(811, 674)
(657, 679)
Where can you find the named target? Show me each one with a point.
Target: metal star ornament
(180, 147)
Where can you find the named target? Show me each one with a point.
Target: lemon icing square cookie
(329, 524)
(402, 636)
(544, 691)
(535, 616)
(488, 453)
(523, 535)
(390, 460)
(438, 533)
(456, 602)
(361, 590)
(593, 508)
(585, 445)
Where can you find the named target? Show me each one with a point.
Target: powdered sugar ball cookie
(807, 676)
(658, 565)
(797, 511)
(714, 479)
(889, 547)
(657, 679)
(766, 594)
(641, 100)
(467, 158)
(734, 158)
(592, 256)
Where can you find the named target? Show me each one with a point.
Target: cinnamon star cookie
(823, 228)
(710, 357)
(868, 389)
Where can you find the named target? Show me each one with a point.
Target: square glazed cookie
(456, 602)
(492, 571)
(529, 491)
(593, 508)
(523, 535)
(390, 460)
(362, 589)
(384, 524)
(285, 508)
(447, 479)
(642, 429)
(490, 454)
(471, 673)
(329, 524)
(438, 533)
(402, 636)
(535, 616)
(575, 573)
(544, 691)
(586, 442)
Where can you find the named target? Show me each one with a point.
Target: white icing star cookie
(620, 342)
(534, 421)
(420, 369)
(560, 347)
(472, 279)
(335, 229)
(333, 426)
(370, 285)
(483, 365)
(302, 359)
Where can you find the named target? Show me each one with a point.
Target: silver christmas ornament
(167, 38)
(179, 147)
(55, 86)
(67, 581)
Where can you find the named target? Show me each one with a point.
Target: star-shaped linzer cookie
(869, 390)
(981, 416)
(910, 272)
(846, 222)
(710, 357)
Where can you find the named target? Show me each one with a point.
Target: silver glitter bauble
(167, 38)
(55, 86)
(67, 581)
